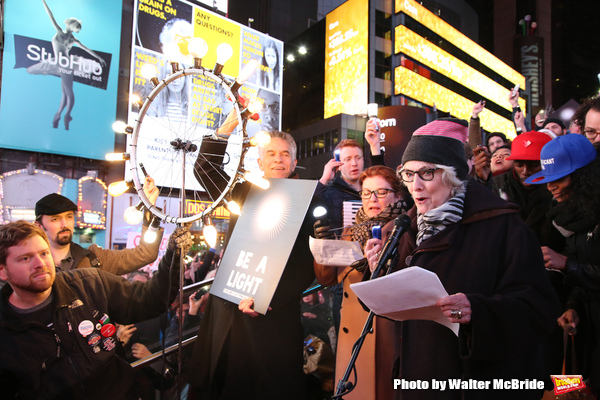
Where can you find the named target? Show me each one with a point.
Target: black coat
(39, 362)
(582, 271)
(493, 258)
(240, 357)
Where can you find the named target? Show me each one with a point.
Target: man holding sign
(241, 354)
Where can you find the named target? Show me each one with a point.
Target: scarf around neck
(436, 220)
(361, 230)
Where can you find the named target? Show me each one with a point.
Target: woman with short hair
(489, 262)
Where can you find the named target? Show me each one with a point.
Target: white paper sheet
(335, 253)
(407, 294)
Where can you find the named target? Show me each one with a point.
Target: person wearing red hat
(533, 200)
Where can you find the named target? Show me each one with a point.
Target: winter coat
(117, 262)
(582, 271)
(373, 368)
(534, 203)
(75, 356)
(495, 259)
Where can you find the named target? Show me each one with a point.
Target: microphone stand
(390, 258)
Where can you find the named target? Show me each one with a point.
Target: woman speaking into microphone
(490, 263)
(383, 200)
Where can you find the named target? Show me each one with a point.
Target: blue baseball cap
(562, 156)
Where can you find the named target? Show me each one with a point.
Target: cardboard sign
(262, 241)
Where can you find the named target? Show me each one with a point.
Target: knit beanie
(440, 142)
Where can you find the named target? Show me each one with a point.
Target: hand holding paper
(335, 253)
(411, 293)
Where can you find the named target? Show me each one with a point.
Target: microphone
(390, 249)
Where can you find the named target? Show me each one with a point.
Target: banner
(60, 75)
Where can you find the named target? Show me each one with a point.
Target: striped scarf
(436, 220)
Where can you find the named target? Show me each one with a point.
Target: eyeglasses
(366, 194)
(591, 133)
(425, 174)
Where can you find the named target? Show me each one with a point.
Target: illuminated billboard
(60, 76)
(165, 33)
(445, 30)
(423, 90)
(409, 43)
(347, 59)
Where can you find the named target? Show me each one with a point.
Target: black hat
(556, 121)
(440, 142)
(53, 204)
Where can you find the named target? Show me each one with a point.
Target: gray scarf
(436, 220)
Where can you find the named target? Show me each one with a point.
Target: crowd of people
(510, 228)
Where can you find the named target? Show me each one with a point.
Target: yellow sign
(346, 59)
(421, 89)
(425, 52)
(196, 207)
(214, 29)
(445, 30)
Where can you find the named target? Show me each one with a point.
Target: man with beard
(55, 214)
(57, 334)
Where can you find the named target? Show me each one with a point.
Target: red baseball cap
(528, 146)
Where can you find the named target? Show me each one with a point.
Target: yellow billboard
(215, 29)
(421, 89)
(346, 59)
(445, 30)
(409, 43)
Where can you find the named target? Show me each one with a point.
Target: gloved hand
(323, 230)
(180, 239)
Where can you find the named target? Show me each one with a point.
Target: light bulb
(148, 71)
(198, 47)
(121, 127)
(116, 156)
(260, 139)
(291, 58)
(224, 53)
(116, 189)
(152, 232)
(136, 100)
(256, 179)
(210, 235)
(302, 50)
(233, 207)
(255, 105)
(133, 216)
(150, 235)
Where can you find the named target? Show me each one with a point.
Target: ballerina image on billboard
(63, 64)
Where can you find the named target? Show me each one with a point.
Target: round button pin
(108, 343)
(86, 327)
(108, 330)
(94, 339)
